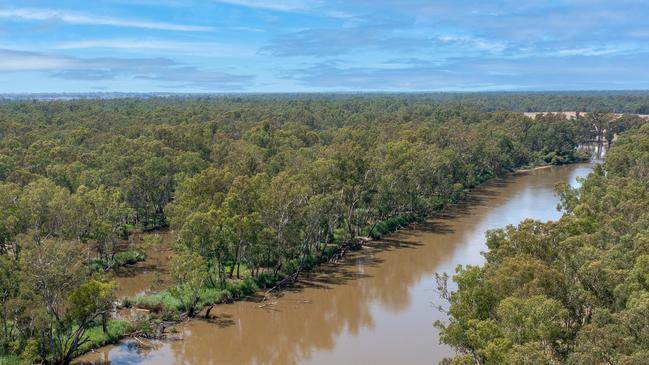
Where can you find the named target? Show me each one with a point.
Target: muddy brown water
(377, 306)
(148, 276)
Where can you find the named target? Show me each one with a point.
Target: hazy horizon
(321, 46)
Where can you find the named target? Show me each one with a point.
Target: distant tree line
(623, 101)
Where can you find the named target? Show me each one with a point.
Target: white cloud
(279, 5)
(88, 19)
(13, 60)
(473, 42)
(315, 7)
(202, 48)
(104, 68)
(29, 61)
(593, 51)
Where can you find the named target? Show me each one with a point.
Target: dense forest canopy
(573, 291)
(254, 189)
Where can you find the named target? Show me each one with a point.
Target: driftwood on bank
(354, 245)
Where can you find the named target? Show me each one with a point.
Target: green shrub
(549, 157)
(582, 156)
(31, 353)
(266, 280)
(120, 259)
(95, 336)
(128, 258)
(312, 261)
(339, 234)
(241, 288)
(158, 302)
(97, 264)
(127, 303)
(437, 203)
(211, 296)
(392, 224)
(11, 360)
(329, 250)
(484, 176)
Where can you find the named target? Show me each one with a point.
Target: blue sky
(322, 45)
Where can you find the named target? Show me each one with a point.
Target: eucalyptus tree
(61, 297)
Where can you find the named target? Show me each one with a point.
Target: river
(377, 306)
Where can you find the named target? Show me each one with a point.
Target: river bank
(143, 285)
(374, 295)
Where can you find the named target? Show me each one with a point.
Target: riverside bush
(120, 259)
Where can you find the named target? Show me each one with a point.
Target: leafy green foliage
(96, 336)
(56, 302)
(573, 291)
(157, 302)
(189, 272)
(257, 190)
(122, 258)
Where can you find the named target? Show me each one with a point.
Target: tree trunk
(222, 274)
(67, 359)
(104, 322)
(369, 233)
(350, 224)
(236, 259)
(207, 312)
(17, 251)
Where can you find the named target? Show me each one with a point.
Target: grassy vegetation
(93, 339)
(169, 307)
(11, 360)
(120, 259)
(95, 336)
(266, 280)
(391, 225)
(156, 300)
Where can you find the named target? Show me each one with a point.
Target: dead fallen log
(354, 245)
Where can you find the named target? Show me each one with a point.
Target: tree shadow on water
(220, 319)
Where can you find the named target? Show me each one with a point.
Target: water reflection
(375, 307)
(597, 151)
(149, 275)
